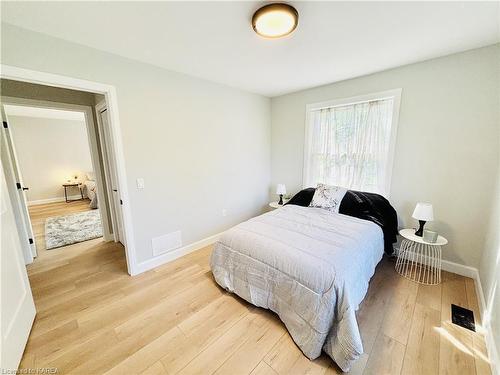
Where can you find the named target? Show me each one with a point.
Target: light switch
(140, 183)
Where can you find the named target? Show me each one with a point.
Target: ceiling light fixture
(275, 20)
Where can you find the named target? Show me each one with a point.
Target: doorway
(59, 93)
(50, 149)
(87, 195)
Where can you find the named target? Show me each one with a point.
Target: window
(350, 142)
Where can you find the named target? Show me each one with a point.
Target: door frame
(110, 174)
(109, 92)
(20, 209)
(92, 141)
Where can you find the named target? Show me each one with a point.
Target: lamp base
(281, 200)
(420, 231)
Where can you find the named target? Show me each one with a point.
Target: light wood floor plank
(248, 355)
(155, 369)
(283, 355)
(421, 355)
(202, 329)
(430, 296)
(263, 369)
(253, 325)
(399, 313)
(386, 357)
(149, 355)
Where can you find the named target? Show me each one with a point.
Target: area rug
(69, 229)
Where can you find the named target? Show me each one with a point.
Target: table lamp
(423, 212)
(281, 190)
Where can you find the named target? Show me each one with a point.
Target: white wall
(489, 269)
(447, 141)
(48, 151)
(199, 146)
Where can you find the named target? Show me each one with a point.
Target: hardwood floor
(93, 318)
(40, 212)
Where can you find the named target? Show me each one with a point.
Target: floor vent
(463, 317)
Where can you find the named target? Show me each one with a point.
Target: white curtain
(349, 146)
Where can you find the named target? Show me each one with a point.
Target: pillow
(302, 198)
(90, 176)
(328, 197)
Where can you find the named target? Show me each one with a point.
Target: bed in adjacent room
(311, 266)
(90, 189)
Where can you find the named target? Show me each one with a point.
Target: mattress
(308, 265)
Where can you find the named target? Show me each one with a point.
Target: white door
(110, 173)
(17, 308)
(17, 190)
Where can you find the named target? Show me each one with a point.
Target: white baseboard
(172, 255)
(459, 269)
(53, 200)
(448, 266)
(488, 333)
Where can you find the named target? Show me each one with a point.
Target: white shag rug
(69, 229)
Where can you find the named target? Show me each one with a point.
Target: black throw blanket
(367, 206)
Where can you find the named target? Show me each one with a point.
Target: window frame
(395, 94)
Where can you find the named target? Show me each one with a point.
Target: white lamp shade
(281, 189)
(423, 211)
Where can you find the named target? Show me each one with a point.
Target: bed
(311, 267)
(90, 189)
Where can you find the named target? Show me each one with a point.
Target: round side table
(275, 205)
(419, 260)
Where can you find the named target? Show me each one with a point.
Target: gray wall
(48, 151)
(447, 142)
(201, 147)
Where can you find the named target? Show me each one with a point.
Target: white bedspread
(90, 189)
(308, 265)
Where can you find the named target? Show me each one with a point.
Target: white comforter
(90, 189)
(308, 265)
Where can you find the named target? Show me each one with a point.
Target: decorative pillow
(302, 198)
(328, 197)
(90, 176)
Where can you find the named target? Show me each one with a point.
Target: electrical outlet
(140, 183)
(224, 212)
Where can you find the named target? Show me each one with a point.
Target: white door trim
(48, 79)
(112, 185)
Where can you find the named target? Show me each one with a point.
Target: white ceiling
(215, 41)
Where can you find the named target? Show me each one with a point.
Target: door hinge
(30, 241)
(18, 185)
(121, 202)
(5, 125)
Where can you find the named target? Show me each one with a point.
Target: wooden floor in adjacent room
(40, 212)
(93, 318)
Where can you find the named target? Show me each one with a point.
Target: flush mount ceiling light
(275, 20)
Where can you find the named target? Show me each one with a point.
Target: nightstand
(69, 185)
(275, 205)
(419, 260)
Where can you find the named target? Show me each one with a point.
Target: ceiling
(215, 41)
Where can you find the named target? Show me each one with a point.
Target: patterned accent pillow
(328, 197)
